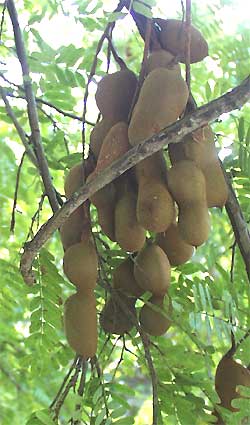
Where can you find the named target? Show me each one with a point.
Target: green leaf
(203, 297)
(208, 91)
(142, 9)
(241, 129)
(44, 417)
(115, 16)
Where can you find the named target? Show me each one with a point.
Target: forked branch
(32, 109)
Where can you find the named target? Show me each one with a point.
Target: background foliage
(61, 39)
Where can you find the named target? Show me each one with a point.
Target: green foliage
(34, 355)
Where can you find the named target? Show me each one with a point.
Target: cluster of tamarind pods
(172, 204)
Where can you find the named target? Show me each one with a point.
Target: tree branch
(13, 221)
(23, 136)
(66, 114)
(44, 102)
(239, 225)
(188, 42)
(31, 107)
(172, 134)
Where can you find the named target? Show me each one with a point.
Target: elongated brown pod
(80, 323)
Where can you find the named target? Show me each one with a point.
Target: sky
(231, 15)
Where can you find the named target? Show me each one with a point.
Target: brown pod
(114, 146)
(114, 320)
(173, 39)
(229, 374)
(80, 324)
(80, 264)
(155, 321)
(176, 249)
(74, 180)
(155, 206)
(104, 201)
(200, 148)
(124, 280)
(152, 270)
(98, 135)
(115, 93)
(129, 233)
(72, 229)
(161, 59)
(162, 99)
(186, 183)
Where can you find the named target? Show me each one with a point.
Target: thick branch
(172, 134)
(31, 106)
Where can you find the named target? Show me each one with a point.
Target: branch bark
(239, 225)
(234, 99)
(31, 106)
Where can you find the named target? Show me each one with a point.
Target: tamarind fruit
(229, 374)
(187, 185)
(200, 148)
(80, 323)
(152, 270)
(161, 101)
(177, 250)
(154, 322)
(172, 38)
(115, 93)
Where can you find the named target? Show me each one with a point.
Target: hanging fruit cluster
(148, 198)
(80, 265)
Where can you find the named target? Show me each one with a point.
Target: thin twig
(66, 114)
(239, 225)
(95, 364)
(171, 134)
(241, 340)
(119, 361)
(23, 136)
(154, 379)
(2, 19)
(117, 58)
(71, 383)
(232, 281)
(36, 217)
(142, 70)
(64, 382)
(188, 42)
(140, 21)
(11, 378)
(44, 102)
(12, 223)
(31, 107)
(145, 342)
(80, 391)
